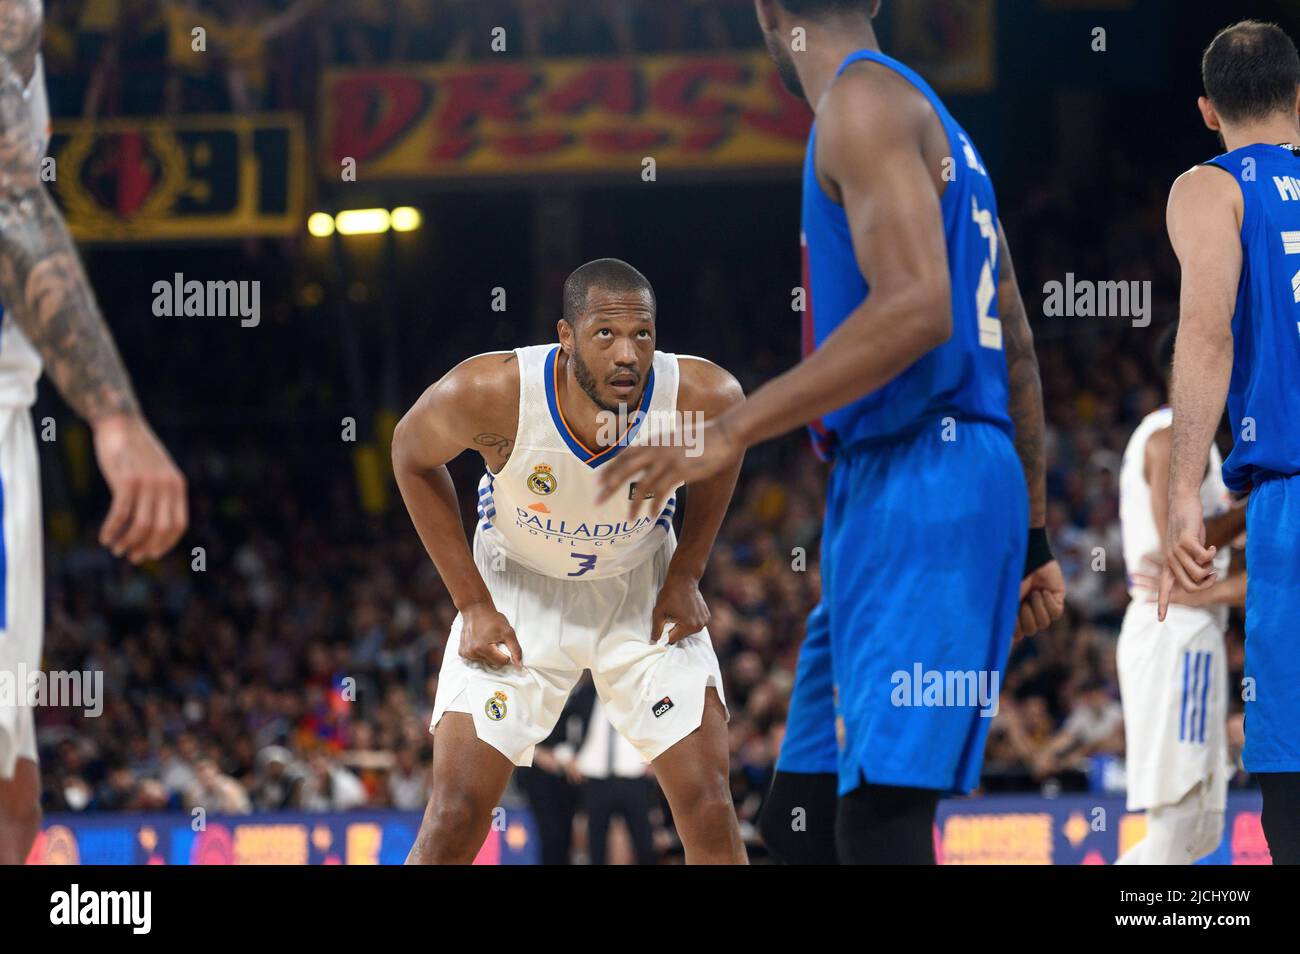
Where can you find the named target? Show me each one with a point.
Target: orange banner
(725, 111)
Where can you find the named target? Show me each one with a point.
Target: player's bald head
(609, 275)
(1251, 70)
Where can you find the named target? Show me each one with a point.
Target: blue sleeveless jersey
(1264, 391)
(966, 377)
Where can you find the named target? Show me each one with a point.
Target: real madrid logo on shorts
(495, 707)
(541, 480)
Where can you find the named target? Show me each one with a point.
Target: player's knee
(456, 823)
(713, 814)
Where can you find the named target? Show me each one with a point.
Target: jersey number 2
(987, 290)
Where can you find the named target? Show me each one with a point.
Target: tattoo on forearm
(500, 442)
(42, 284)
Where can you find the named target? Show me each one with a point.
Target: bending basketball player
(555, 584)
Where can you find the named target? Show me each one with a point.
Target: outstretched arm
(870, 147)
(1204, 219)
(45, 290)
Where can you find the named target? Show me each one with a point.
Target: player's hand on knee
(486, 637)
(680, 603)
(150, 511)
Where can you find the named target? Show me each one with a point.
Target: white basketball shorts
(653, 693)
(21, 575)
(1173, 680)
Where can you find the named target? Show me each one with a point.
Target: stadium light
(362, 221)
(320, 224)
(405, 219)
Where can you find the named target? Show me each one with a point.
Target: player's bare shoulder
(706, 387)
(474, 406)
(484, 391)
(1205, 189)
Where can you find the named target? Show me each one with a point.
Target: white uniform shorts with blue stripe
(21, 577)
(1173, 679)
(652, 692)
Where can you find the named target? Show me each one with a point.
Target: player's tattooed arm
(1025, 397)
(42, 284)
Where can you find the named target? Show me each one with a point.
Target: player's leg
(21, 626)
(886, 825)
(1174, 688)
(668, 702)
(1181, 833)
(20, 785)
(694, 774)
(919, 640)
(797, 820)
(1272, 726)
(1281, 817)
(469, 777)
(486, 720)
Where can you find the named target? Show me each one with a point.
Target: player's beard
(784, 61)
(587, 381)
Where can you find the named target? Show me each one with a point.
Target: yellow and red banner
(184, 177)
(587, 116)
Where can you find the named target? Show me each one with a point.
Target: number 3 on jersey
(587, 561)
(986, 293)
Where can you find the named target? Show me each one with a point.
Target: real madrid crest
(495, 707)
(541, 480)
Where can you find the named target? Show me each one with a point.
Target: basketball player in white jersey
(50, 317)
(553, 583)
(1173, 676)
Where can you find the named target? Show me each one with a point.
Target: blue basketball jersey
(966, 377)
(1264, 390)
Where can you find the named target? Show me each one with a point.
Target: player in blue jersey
(1234, 223)
(920, 382)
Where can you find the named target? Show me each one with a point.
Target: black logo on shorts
(662, 706)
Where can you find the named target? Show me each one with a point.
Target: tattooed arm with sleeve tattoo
(45, 291)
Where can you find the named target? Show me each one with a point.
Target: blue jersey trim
(591, 458)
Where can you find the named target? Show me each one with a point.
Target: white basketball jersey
(1137, 520)
(540, 510)
(20, 364)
